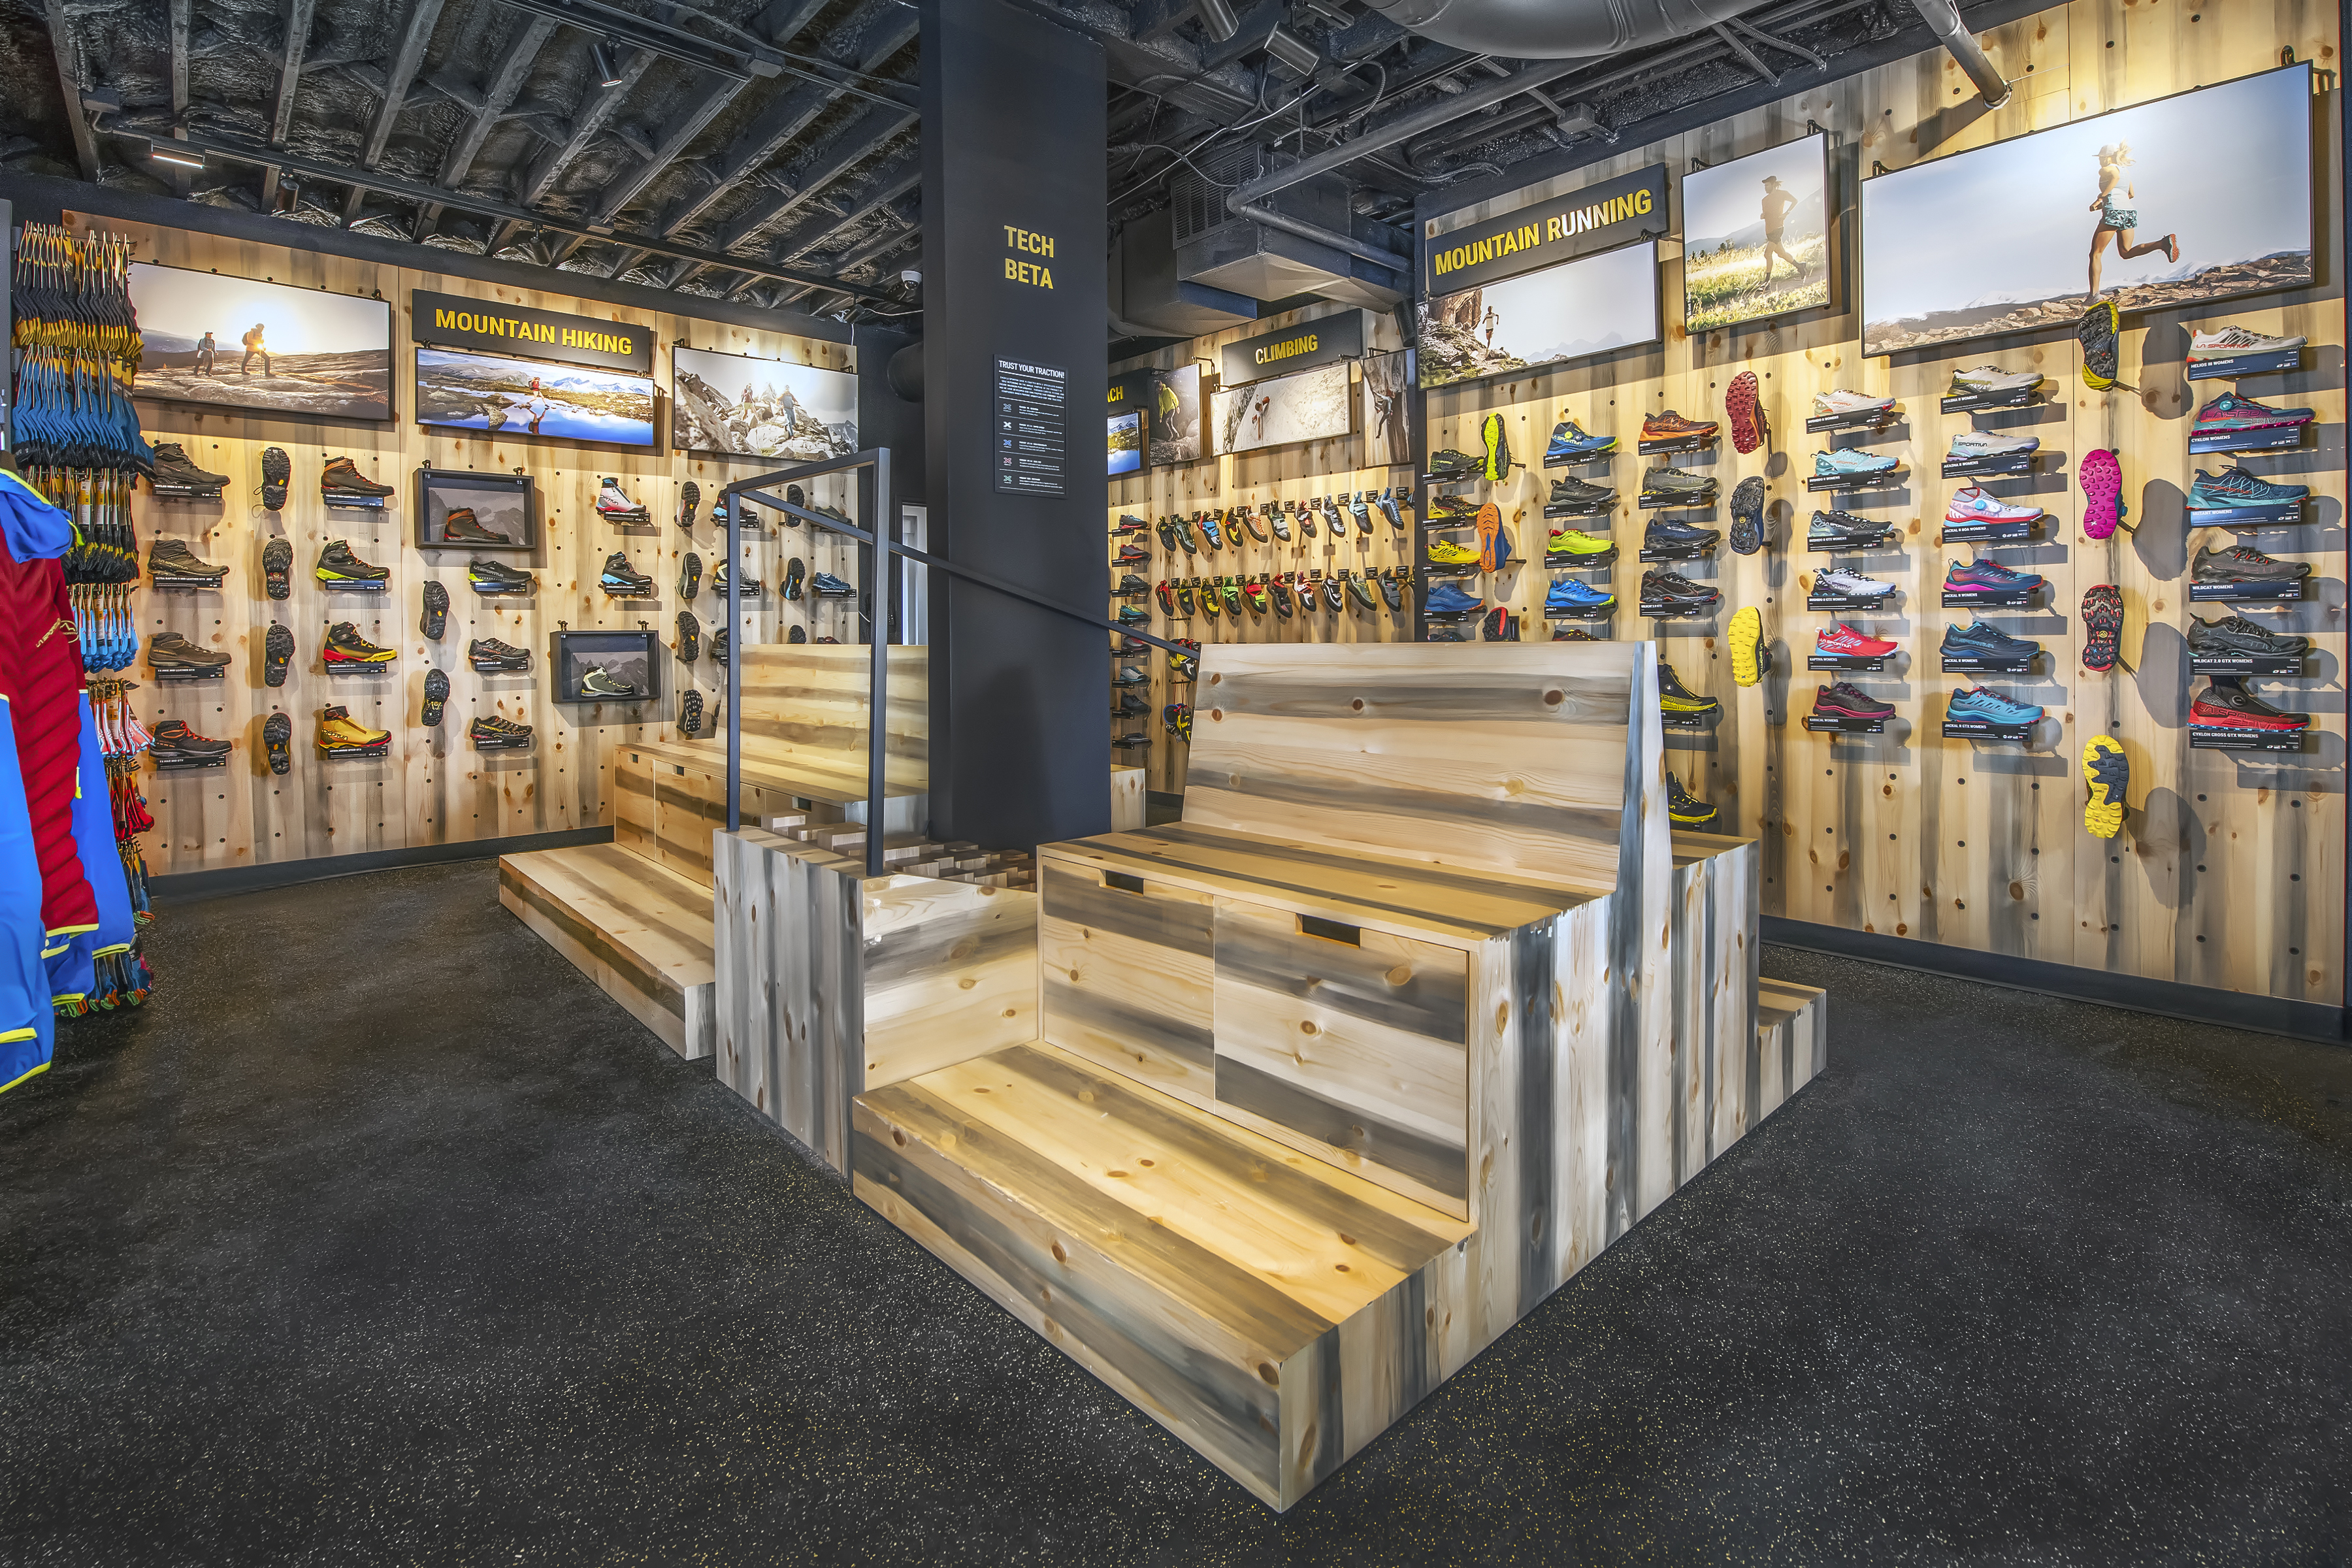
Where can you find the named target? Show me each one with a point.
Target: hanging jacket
(41, 677)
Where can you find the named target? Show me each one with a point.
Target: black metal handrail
(874, 491)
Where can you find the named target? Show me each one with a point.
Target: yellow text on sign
(1034, 273)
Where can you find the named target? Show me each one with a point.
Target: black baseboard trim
(2170, 998)
(186, 887)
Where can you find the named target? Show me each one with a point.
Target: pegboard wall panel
(2229, 871)
(432, 787)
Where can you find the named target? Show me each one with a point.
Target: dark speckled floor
(381, 1237)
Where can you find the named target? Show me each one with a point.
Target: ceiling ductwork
(1557, 29)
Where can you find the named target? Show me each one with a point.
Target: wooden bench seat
(640, 931)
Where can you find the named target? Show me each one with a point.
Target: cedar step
(1227, 1285)
(640, 931)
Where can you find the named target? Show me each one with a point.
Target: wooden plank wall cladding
(832, 983)
(1298, 472)
(806, 710)
(2229, 871)
(432, 787)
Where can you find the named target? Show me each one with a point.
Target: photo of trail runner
(2118, 219)
(1756, 235)
(2219, 180)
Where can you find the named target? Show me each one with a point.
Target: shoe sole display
(1490, 531)
(689, 637)
(2102, 619)
(436, 697)
(277, 468)
(2103, 487)
(795, 575)
(436, 611)
(2109, 776)
(689, 498)
(277, 653)
(1739, 404)
(1498, 466)
(277, 568)
(690, 576)
(1748, 514)
(1746, 646)
(278, 743)
(690, 715)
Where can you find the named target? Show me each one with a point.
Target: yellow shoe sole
(2109, 776)
(1747, 643)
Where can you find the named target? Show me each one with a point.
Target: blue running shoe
(2236, 488)
(1572, 595)
(1848, 461)
(1445, 599)
(1990, 708)
(1569, 442)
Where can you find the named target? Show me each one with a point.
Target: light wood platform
(641, 931)
(1268, 1309)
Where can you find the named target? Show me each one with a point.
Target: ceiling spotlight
(1217, 19)
(1291, 55)
(608, 71)
(179, 154)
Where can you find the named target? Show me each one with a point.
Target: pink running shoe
(2102, 487)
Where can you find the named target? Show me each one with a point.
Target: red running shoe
(1846, 642)
(1739, 400)
(2225, 704)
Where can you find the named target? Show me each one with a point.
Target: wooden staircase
(1419, 1008)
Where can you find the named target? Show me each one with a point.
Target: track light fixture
(1217, 19)
(608, 70)
(164, 150)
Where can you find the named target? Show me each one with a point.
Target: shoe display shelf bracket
(511, 743)
(499, 590)
(1884, 480)
(502, 493)
(1845, 604)
(1988, 664)
(336, 754)
(1583, 613)
(1985, 729)
(1689, 720)
(1979, 401)
(1835, 724)
(2260, 515)
(379, 586)
(343, 501)
(185, 492)
(2278, 591)
(1600, 509)
(2236, 365)
(356, 666)
(190, 765)
(1587, 460)
(2230, 664)
(1599, 560)
(2271, 438)
(183, 675)
(1691, 551)
(1857, 663)
(1674, 500)
(1998, 465)
(1870, 419)
(1675, 443)
(1990, 532)
(1850, 546)
(1995, 599)
(1681, 611)
(2213, 738)
(184, 584)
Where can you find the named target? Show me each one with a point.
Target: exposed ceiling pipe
(1556, 29)
(1247, 201)
(1943, 19)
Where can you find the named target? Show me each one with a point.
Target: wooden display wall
(1296, 472)
(432, 787)
(2229, 869)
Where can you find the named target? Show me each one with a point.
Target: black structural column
(1015, 369)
